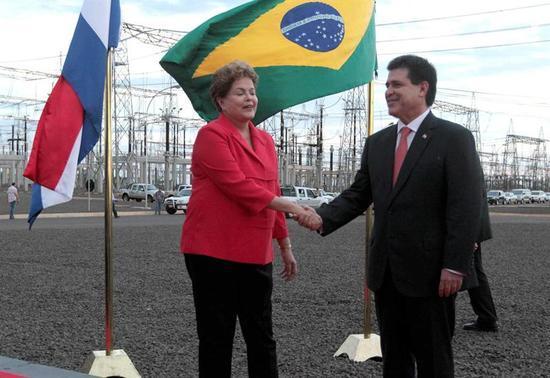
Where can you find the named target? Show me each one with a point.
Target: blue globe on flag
(314, 26)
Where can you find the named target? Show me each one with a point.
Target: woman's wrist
(284, 244)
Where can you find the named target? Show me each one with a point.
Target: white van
(522, 195)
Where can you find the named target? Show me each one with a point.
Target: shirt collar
(415, 123)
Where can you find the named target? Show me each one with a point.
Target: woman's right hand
(308, 217)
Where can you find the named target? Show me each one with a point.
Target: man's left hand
(449, 283)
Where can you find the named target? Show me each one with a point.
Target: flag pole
(361, 347)
(367, 328)
(108, 208)
(109, 363)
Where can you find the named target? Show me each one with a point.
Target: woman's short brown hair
(224, 77)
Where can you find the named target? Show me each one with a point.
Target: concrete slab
(11, 367)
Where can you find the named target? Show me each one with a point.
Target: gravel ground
(52, 298)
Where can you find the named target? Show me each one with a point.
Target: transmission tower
(353, 136)
(151, 36)
(470, 116)
(524, 163)
(123, 116)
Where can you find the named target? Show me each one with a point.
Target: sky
(491, 55)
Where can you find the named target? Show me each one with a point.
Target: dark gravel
(52, 298)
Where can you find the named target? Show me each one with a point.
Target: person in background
(159, 201)
(115, 213)
(423, 175)
(13, 199)
(479, 290)
(233, 215)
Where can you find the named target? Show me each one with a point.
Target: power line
(465, 33)
(469, 92)
(468, 48)
(462, 15)
(33, 59)
(488, 93)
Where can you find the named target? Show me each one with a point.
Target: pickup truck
(178, 202)
(179, 188)
(303, 196)
(495, 197)
(138, 192)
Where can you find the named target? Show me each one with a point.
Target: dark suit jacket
(430, 219)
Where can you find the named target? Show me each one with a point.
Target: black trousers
(415, 331)
(480, 296)
(224, 291)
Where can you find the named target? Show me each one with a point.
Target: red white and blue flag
(70, 123)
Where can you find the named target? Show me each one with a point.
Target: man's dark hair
(419, 70)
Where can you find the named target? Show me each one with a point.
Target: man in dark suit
(477, 283)
(424, 177)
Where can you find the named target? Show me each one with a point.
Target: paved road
(52, 283)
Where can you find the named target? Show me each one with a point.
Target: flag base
(117, 364)
(359, 348)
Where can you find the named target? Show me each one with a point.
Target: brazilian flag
(301, 50)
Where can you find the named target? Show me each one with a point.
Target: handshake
(307, 217)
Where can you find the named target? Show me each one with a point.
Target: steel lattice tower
(353, 137)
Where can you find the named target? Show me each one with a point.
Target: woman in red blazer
(233, 215)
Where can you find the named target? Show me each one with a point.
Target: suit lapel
(421, 140)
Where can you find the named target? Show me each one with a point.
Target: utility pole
(331, 169)
(281, 142)
(167, 152)
(320, 149)
(25, 137)
(184, 140)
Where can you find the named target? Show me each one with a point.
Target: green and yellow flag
(301, 50)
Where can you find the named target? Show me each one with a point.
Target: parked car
(547, 195)
(302, 196)
(495, 197)
(178, 201)
(178, 189)
(510, 198)
(139, 192)
(538, 196)
(329, 196)
(522, 195)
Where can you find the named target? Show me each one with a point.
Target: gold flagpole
(367, 327)
(109, 363)
(361, 347)
(108, 209)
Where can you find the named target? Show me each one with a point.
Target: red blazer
(227, 216)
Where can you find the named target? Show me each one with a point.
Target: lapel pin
(424, 136)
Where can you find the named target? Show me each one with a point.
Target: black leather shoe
(481, 327)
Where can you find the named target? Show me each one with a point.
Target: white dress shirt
(414, 125)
